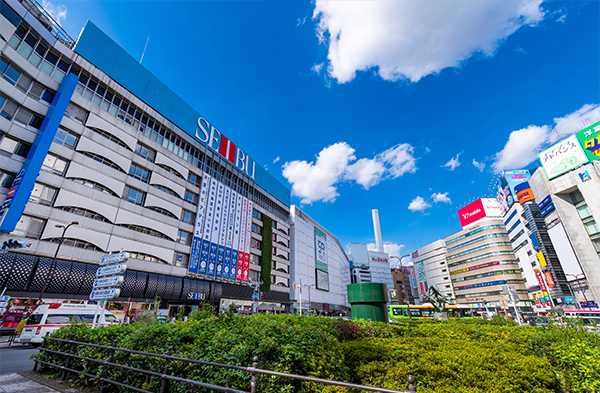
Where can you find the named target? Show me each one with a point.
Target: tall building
(89, 135)
(481, 259)
(370, 266)
(319, 265)
(431, 268)
(403, 291)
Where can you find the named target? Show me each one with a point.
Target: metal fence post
(71, 349)
(35, 365)
(110, 359)
(254, 383)
(165, 382)
(411, 380)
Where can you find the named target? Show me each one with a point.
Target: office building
(402, 293)
(88, 134)
(431, 269)
(319, 266)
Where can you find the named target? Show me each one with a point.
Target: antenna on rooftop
(144, 52)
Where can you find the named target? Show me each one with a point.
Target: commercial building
(566, 191)
(431, 269)
(319, 267)
(402, 293)
(370, 266)
(87, 134)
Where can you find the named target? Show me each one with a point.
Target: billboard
(481, 208)
(524, 192)
(563, 157)
(194, 263)
(505, 188)
(589, 138)
(320, 250)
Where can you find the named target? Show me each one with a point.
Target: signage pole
(102, 313)
(96, 314)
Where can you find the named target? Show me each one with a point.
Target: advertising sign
(482, 284)
(422, 277)
(246, 269)
(589, 138)
(111, 270)
(541, 258)
(229, 236)
(320, 249)
(223, 232)
(544, 202)
(103, 294)
(524, 193)
(105, 282)
(242, 246)
(114, 258)
(380, 257)
(563, 157)
(199, 226)
(208, 228)
(481, 208)
(538, 274)
(547, 209)
(236, 238)
(481, 266)
(549, 279)
(216, 226)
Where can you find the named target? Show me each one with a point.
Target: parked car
(50, 317)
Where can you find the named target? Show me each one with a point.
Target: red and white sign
(549, 279)
(380, 257)
(481, 208)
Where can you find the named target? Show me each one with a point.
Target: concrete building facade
(432, 269)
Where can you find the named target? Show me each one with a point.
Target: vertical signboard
(547, 300)
(223, 232)
(210, 212)
(229, 236)
(589, 138)
(236, 238)
(200, 215)
(242, 244)
(320, 249)
(563, 157)
(214, 236)
(246, 270)
(422, 277)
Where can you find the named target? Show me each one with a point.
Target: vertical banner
(229, 240)
(236, 237)
(200, 214)
(223, 232)
(206, 232)
(214, 236)
(241, 248)
(246, 270)
(320, 250)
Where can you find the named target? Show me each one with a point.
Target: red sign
(549, 279)
(540, 280)
(525, 195)
(471, 213)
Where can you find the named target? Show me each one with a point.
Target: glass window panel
(36, 91)
(97, 100)
(36, 121)
(31, 40)
(46, 67)
(79, 89)
(25, 50)
(584, 211)
(14, 42)
(48, 96)
(3, 65)
(24, 82)
(35, 59)
(12, 75)
(8, 145)
(22, 225)
(51, 58)
(105, 105)
(592, 227)
(63, 66)
(41, 49)
(58, 75)
(10, 108)
(35, 228)
(113, 110)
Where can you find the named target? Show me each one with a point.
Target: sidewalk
(30, 382)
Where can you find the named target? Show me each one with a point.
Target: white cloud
(418, 205)
(524, 145)
(479, 165)
(57, 12)
(453, 163)
(275, 160)
(317, 68)
(427, 150)
(316, 181)
(443, 198)
(408, 40)
(301, 22)
(562, 19)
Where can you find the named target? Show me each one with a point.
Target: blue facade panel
(100, 50)
(19, 193)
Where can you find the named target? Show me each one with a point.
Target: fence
(165, 377)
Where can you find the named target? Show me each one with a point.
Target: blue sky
(388, 104)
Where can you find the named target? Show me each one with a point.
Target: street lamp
(407, 300)
(580, 289)
(309, 302)
(39, 301)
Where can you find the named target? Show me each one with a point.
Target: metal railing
(40, 13)
(165, 377)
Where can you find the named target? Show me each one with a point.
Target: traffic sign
(255, 297)
(3, 304)
(114, 258)
(2, 310)
(102, 294)
(111, 270)
(4, 298)
(105, 282)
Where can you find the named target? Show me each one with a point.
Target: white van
(50, 317)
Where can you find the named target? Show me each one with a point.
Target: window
(253, 276)
(95, 186)
(255, 244)
(254, 259)
(256, 214)
(8, 107)
(42, 194)
(171, 171)
(587, 219)
(41, 93)
(145, 152)
(145, 257)
(191, 197)
(28, 118)
(84, 213)
(102, 160)
(54, 165)
(10, 72)
(65, 138)
(76, 243)
(256, 229)
(137, 172)
(134, 196)
(181, 259)
(145, 230)
(161, 211)
(187, 216)
(6, 179)
(75, 112)
(29, 227)
(184, 237)
(111, 137)
(193, 178)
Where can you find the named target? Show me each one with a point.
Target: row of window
(483, 256)
(482, 247)
(473, 232)
(480, 238)
(491, 293)
(10, 146)
(588, 220)
(10, 110)
(476, 276)
(16, 77)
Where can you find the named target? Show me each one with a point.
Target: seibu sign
(481, 208)
(211, 137)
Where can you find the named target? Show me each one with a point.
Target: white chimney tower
(378, 239)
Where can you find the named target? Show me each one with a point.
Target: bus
(398, 312)
(589, 318)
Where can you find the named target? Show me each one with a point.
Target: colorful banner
(540, 256)
(229, 240)
(589, 138)
(549, 279)
(482, 284)
(242, 246)
(467, 269)
(208, 224)
(233, 273)
(547, 299)
(200, 214)
(320, 249)
(563, 157)
(246, 271)
(214, 230)
(223, 231)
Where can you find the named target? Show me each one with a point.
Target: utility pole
(255, 295)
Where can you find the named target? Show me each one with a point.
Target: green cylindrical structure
(368, 301)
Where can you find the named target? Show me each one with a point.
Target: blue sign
(544, 202)
(483, 284)
(545, 211)
(19, 193)
(569, 299)
(592, 303)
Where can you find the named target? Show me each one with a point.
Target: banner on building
(196, 264)
(563, 157)
(229, 238)
(320, 249)
(589, 138)
(240, 263)
(549, 279)
(223, 232)
(246, 269)
(233, 273)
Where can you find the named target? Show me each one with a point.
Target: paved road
(16, 359)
